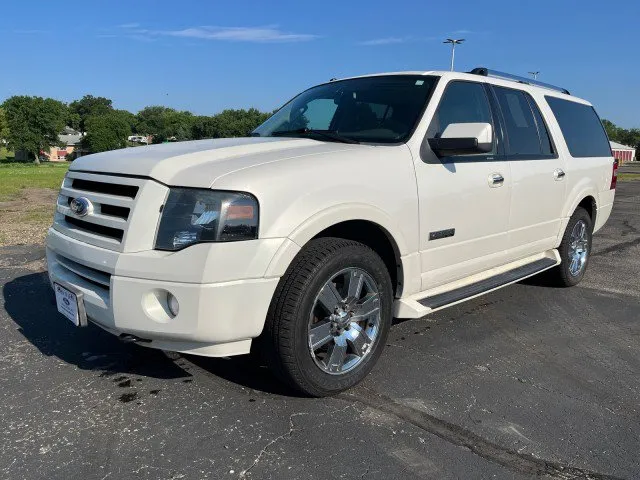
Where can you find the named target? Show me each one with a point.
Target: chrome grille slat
(97, 198)
(97, 218)
(90, 274)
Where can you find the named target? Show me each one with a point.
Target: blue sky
(208, 55)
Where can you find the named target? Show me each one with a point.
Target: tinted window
(382, 109)
(520, 125)
(462, 102)
(543, 132)
(581, 128)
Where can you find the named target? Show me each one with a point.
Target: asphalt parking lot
(528, 381)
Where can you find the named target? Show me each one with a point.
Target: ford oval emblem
(81, 206)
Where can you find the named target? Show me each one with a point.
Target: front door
(464, 200)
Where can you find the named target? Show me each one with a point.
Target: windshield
(381, 109)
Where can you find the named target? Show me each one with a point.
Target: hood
(199, 163)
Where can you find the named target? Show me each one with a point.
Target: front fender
(326, 218)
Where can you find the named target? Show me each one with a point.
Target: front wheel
(574, 250)
(329, 318)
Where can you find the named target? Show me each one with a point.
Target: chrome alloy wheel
(344, 321)
(578, 248)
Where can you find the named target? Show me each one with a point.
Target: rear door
(464, 199)
(537, 172)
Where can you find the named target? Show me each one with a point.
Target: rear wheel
(329, 318)
(574, 249)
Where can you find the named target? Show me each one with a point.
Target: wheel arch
(361, 223)
(590, 205)
(587, 199)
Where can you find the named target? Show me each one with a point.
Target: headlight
(194, 216)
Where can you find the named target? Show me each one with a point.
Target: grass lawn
(16, 176)
(27, 200)
(626, 177)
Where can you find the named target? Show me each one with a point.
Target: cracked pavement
(526, 382)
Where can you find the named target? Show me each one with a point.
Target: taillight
(614, 174)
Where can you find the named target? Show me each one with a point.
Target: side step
(487, 284)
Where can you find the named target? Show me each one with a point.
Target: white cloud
(241, 34)
(382, 41)
(265, 34)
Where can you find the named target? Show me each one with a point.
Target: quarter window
(519, 122)
(581, 128)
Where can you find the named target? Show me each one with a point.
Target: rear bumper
(216, 318)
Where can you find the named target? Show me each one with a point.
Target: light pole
(453, 42)
(534, 75)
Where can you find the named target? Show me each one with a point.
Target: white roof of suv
(493, 77)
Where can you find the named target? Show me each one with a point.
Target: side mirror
(463, 139)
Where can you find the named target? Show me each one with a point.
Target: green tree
(73, 120)
(611, 129)
(34, 123)
(4, 126)
(205, 127)
(88, 106)
(165, 124)
(239, 123)
(107, 131)
(228, 123)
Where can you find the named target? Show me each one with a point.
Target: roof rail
(485, 72)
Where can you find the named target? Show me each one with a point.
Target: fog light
(174, 306)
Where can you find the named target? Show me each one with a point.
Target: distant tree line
(33, 124)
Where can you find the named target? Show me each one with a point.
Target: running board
(488, 284)
(422, 303)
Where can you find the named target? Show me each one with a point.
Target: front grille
(95, 228)
(118, 190)
(112, 210)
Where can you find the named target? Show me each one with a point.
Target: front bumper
(222, 291)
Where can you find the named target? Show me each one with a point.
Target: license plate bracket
(70, 303)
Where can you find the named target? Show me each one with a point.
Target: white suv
(360, 200)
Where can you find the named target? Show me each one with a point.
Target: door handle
(558, 174)
(496, 180)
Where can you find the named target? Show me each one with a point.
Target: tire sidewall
(357, 257)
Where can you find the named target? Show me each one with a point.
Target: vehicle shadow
(248, 371)
(29, 302)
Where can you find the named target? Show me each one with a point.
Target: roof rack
(485, 72)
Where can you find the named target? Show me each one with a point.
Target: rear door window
(581, 128)
(545, 139)
(519, 123)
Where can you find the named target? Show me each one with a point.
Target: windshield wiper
(329, 134)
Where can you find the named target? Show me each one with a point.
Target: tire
(299, 305)
(568, 274)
